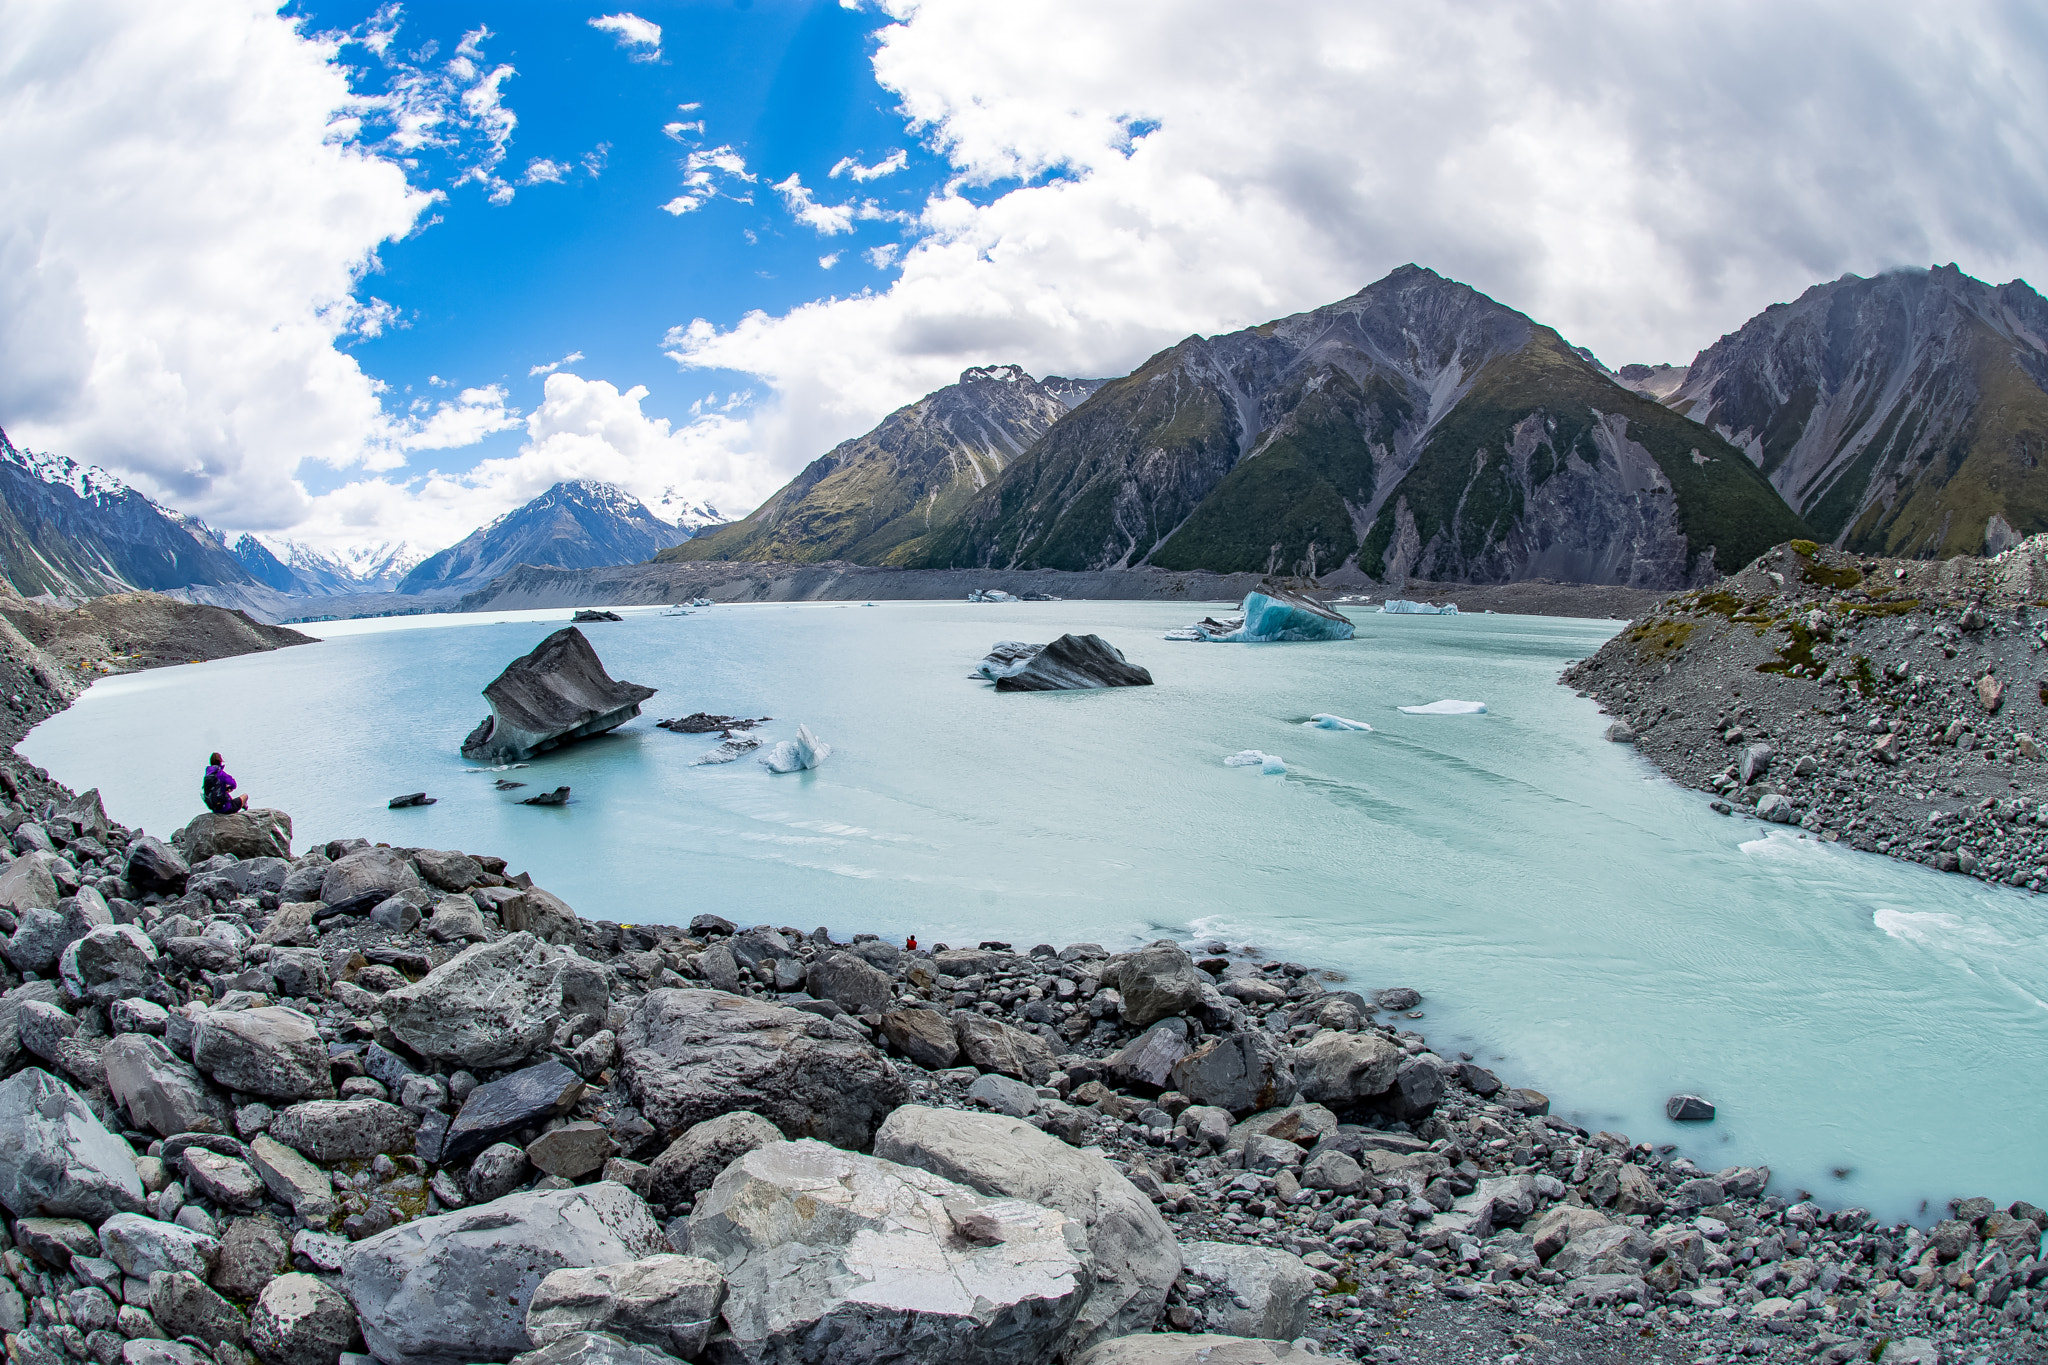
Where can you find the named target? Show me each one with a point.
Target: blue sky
(237, 251)
(487, 291)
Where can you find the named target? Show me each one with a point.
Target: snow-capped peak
(87, 481)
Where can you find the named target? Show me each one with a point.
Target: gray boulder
(111, 962)
(690, 1055)
(1243, 1072)
(848, 982)
(185, 1305)
(455, 1288)
(56, 1160)
(160, 1090)
(668, 1302)
(456, 917)
(1276, 1284)
(994, 1046)
(41, 936)
(1186, 1348)
(497, 1171)
(1148, 1060)
(143, 1247)
(833, 1256)
(1135, 1255)
(154, 865)
(28, 883)
(923, 1035)
(593, 1348)
(291, 1179)
(252, 833)
(1333, 1170)
(274, 1051)
(299, 971)
(1073, 663)
(448, 871)
(490, 1005)
(358, 882)
(344, 1130)
(557, 693)
(541, 913)
(43, 1027)
(43, 992)
(1157, 980)
(300, 1320)
(525, 1099)
(689, 1165)
(1343, 1069)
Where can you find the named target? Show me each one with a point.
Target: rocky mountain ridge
(578, 523)
(73, 531)
(1416, 429)
(875, 499)
(1905, 414)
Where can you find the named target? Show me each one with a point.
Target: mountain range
(1415, 429)
(1905, 414)
(574, 525)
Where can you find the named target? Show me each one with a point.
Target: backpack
(212, 790)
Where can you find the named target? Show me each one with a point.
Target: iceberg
(700, 602)
(795, 755)
(734, 746)
(1319, 721)
(1394, 606)
(1448, 708)
(1273, 613)
(990, 595)
(1072, 663)
(1184, 633)
(1003, 656)
(1252, 758)
(557, 693)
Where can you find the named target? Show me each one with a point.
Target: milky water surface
(1573, 919)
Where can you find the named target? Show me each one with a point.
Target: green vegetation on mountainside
(1464, 482)
(1285, 508)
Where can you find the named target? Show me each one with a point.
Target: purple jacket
(217, 789)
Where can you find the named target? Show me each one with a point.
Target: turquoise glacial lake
(1873, 1031)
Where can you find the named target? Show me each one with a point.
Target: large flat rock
(691, 1055)
(558, 693)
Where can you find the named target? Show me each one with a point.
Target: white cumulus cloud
(583, 429)
(641, 35)
(185, 224)
(888, 165)
(553, 365)
(1644, 176)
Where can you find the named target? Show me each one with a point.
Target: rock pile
(400, 1102)
(1898, 706)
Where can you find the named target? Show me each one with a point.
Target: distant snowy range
(70, 531)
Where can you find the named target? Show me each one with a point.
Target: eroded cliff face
(1905, 414)
(1417, 428)
(875, 498)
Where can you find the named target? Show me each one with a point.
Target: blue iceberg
(1252, 758)
(1448, 708)
(1273, 613)
(1394, 606)
(1320, 721)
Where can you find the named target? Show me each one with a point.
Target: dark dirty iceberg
(558, 693)
(1071, 663)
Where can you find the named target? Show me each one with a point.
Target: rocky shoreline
(300, 1103)
(1896, 706)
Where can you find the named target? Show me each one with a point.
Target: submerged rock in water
(699, 723)
(1273, 613)
(1004, 656)
(794, 755)
(1073, 662)
(412, 799)
(558, 693)
(589, 614)
(558, 797)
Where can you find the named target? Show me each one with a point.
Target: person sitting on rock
(217, 788)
